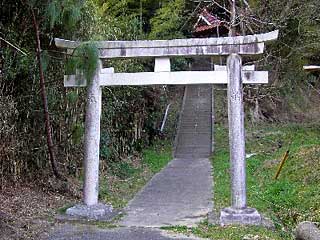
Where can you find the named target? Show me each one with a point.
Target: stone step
(198, 139)
(190, 133)
(191, 156)
(195, 130)
(205, 132)
(202, 130)
(203, 121)
(194, 136)
(205, 109)
(196, 123)
(197, 116)
(194, 149)
(193, 141)
(202, 111)
(202, 124)
(198, 103)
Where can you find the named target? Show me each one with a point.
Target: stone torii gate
(162, 50)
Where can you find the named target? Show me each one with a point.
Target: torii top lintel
(243, 45)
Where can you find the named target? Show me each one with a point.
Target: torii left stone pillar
(92, 140)
(91, 208)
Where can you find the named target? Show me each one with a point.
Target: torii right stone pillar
(238, 213)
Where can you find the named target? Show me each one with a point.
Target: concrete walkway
(181, 194)
(71, 232)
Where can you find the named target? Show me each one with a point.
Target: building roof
(207, 22)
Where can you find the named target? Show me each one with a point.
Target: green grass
(125, 178)
(204, 230)
(293, 198)
(158, 156)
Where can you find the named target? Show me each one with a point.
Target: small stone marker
(234, 75)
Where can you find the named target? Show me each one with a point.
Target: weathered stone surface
(307, 231)
(94, 212)
(92, 141)
(162, 64)
(167, 78)
(246, 216)
(224, 68)
(257, 38)
(236, 133)
(214, 219)
(250, 44)
(69, 232)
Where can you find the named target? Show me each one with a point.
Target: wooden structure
(208, 23)
(162, 50)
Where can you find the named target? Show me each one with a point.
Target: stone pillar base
(95, 212)
(247, 216)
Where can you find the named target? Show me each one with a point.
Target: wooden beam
(245, 45)
(167, 78)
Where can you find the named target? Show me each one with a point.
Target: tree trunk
(233, 17)
(44, 100)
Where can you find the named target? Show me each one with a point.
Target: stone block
(95, 212)
(247, 216)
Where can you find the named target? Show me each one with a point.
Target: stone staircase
(194, 136)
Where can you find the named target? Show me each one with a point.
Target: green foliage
(128, 108)
(85, 58)
(72, 97)
(66, 13)
(158, 156)
(123, 170)
(298, 46)
(77, 133)
(45, 60)
(53, 13)
(168, 20)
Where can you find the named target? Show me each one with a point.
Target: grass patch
(125, 178)
(293, 197)
(158, 156)
(207, 231)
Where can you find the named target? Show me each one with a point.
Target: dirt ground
(27, 212)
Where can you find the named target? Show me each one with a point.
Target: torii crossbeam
(162, 50)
